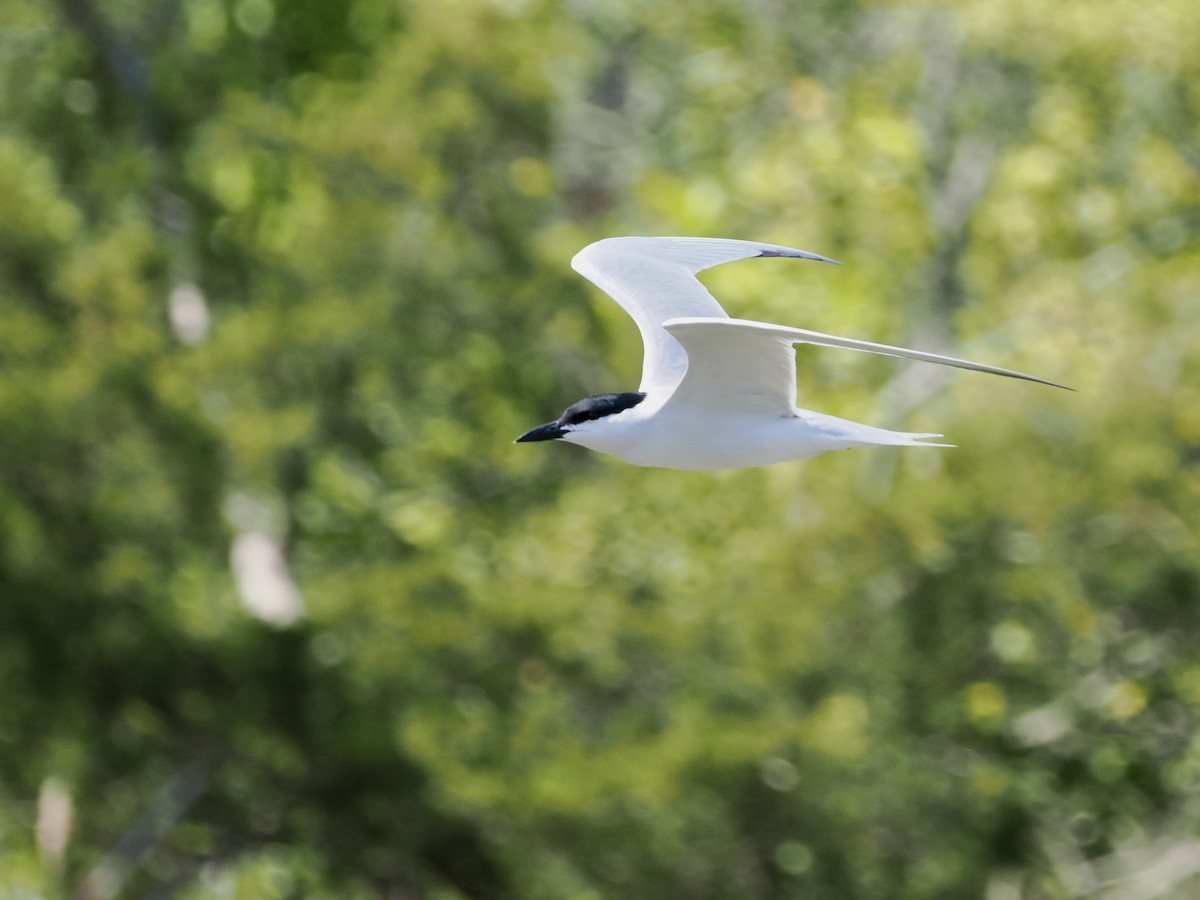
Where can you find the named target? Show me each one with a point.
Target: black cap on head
(586, 410)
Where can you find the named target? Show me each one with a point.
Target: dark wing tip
(798, 254)
(1045, 381)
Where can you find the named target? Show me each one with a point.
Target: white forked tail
(843, 433)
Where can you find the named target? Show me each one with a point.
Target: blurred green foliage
(287, 278)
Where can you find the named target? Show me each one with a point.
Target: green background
(294, 275)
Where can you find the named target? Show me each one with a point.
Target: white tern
(716, 392)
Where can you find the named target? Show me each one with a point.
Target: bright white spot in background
(1042, 726)
(328, 649)
(55, 818)
(254, 17)
(189, 313)
(1022, 548)
(794, 857)
(1001, 887)
(779, 774)
(80, 97)
(263, 581)
(885, 590)
(1107, 266)
(1012, 642)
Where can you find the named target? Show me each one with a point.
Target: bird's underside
(739, 442)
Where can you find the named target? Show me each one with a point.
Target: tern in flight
(716, 392)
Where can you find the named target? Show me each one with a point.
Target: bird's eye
(577, 416)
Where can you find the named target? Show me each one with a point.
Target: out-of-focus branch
(166, 808)
(1153, 870)
(121, 61)
(1150, 872)
(596, 144)
(959, 167)
(965, 180)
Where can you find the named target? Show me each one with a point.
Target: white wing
(654, 279)
(737, 364)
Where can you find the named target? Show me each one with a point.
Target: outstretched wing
(654, 279)
(738, 364)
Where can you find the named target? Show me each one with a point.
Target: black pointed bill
(549, 432)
